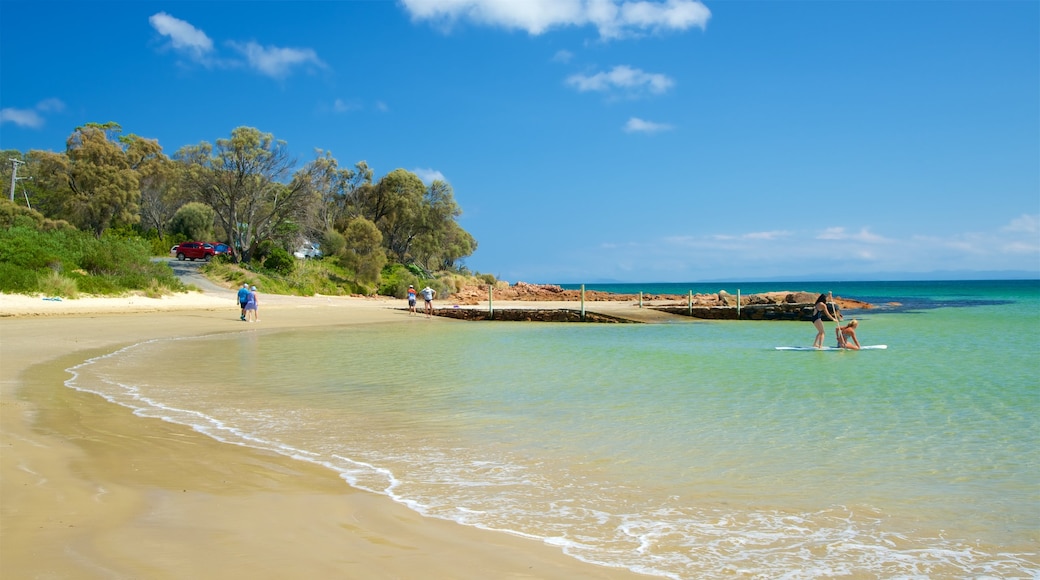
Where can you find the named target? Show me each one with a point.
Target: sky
(598, 140)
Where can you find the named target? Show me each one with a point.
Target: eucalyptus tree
(337, 188)
(442, 241)
(194, 220)
(444, 248)
(394, 205)
(94, 179)
(363, 250)
(159, 179)
(248, 180)
(418, 223)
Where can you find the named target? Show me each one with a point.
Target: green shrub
(35, 250)
(332, 243)
(394, 280)
(417, 270)
(64, 262)
(14, 215)
(18, 280)
(263, 250)
(100, 285)
(280, 261)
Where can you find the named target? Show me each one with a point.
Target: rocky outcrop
(522, 291)
(772, 311)
(529, 315)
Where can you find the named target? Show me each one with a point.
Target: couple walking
(247, 299)
(427, 293)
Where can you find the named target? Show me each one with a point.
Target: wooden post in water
(640, 298)
(583, 303)
(738, 303)
(689, 304)
(491, 302)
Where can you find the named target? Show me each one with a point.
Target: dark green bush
(35, 250)
(63, 260)
(279, 261)
(332, 243)
(17, 279)
(394, 280)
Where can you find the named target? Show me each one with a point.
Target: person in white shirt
(427, 294)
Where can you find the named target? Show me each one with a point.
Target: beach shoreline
(89, 490)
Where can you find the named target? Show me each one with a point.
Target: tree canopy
(248, 181)
(98, 186)
(255, 191)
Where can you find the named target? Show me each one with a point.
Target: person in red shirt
(411, 299)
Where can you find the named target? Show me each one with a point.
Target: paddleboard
(827, 348)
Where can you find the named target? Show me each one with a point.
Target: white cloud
(703, 254)
(1025, 223)
(183, 36)
(534, 16)
(563, 56)
(637, 125)
(1020, 248)
(771, 235)
(836, 250)
(382, 107)
(31, 118)
(428, 176)
(274, 61)
(633, 81)
(21, 117)
(613, 19)
(864, 235)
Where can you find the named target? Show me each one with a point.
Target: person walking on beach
(427, 294)
(411, 299)
(847, 335)
(820, 309)
(252, 306)
(243, 297)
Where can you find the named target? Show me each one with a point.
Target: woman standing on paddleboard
(820, 310)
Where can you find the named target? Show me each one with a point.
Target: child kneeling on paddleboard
(847, 335)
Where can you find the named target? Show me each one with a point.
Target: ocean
(681, 450)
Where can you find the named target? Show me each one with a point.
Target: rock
(523, 291)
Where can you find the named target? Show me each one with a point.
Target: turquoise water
(682, 450)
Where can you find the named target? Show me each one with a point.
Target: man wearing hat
(427, 294)
(411, 299)
(243, 297)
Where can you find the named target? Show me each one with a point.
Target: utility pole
(14, 174)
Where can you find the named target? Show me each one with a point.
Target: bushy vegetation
(110, 202)
(67, 262)
(306, 278)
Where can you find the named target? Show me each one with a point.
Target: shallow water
(682, 450)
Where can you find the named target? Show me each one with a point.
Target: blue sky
(594, 140)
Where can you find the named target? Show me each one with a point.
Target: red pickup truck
(194, 251)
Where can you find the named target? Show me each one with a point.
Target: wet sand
(88, 490)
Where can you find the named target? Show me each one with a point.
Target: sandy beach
(88, 490)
